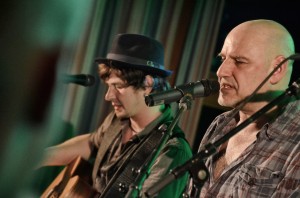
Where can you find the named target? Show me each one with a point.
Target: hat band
(133, 60)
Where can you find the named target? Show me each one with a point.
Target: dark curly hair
(132, 77)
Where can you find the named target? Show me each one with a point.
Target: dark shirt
(175, 152)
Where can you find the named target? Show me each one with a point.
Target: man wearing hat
(133, 68)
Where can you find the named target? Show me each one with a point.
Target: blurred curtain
(38, 40)
(187, 28)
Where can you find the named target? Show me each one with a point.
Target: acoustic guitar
(74, 181)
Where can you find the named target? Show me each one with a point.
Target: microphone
(195, 89)
(80, 79)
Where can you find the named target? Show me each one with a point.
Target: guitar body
(74, 181)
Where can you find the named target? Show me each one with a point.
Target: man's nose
(225, 69)
(110, 94)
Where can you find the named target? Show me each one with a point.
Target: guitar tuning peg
(135, 171)
(123, 188)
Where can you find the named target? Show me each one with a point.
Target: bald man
(263, 159)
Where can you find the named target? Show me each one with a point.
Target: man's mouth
(116, 106)
(226, 86)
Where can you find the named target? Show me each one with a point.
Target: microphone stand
(144, 171)
(201, 174)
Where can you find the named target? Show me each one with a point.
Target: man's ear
(149, 81)
(281, 71)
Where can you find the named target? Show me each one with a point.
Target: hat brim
(146, 68)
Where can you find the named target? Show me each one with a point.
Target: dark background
(237, 11)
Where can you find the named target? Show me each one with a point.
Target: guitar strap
(126, 174)
(112, 133)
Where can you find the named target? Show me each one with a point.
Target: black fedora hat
(138, 52)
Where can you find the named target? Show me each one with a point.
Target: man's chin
(121, 115)
(229, 104)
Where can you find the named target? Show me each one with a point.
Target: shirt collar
(166, 115)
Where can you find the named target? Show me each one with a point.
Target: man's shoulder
(178, 140)
(110, 119)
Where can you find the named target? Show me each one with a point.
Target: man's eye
(238, 61)
(120, 86)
